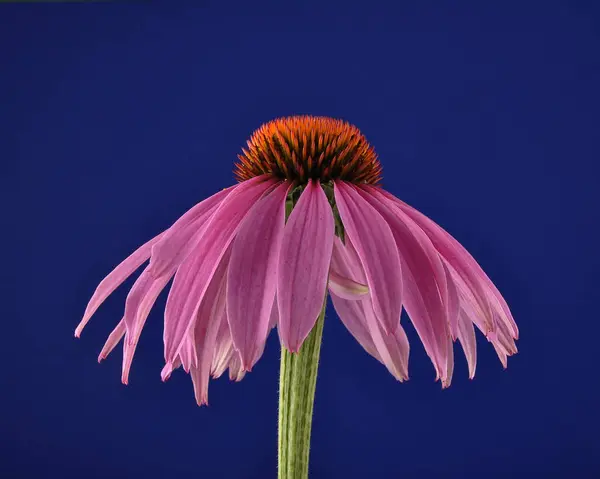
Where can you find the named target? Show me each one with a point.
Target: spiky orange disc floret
(303, 147)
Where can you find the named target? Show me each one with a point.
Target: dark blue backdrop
(116, 119)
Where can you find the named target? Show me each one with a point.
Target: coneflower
(307, 218)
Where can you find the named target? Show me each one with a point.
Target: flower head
(307, 218)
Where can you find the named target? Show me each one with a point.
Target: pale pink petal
(352, 315)
(346, 288)
(501, 355)
(195, 273)
(498, 303)
(469, 303)
(360, 319)
(206, 329)
(303, 265)
(115, 278)
(452, 303)
(113, 340)
(252, 275)
(223, 348)
(187, 353)
(466, 336)
(447, 379)
(221, 359)
(179, 239)
(236, 371)
(345, 260)
(423, 279)
(503, 337)
(138, 304)
(168, 368)
(392, 348)
(375, 245)
(457, 257)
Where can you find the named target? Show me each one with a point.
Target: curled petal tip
(346, 288)
(165, 374)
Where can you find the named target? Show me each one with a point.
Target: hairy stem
(297, 382)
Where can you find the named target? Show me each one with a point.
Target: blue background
(116, 119)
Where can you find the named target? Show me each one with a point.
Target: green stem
(297, 382)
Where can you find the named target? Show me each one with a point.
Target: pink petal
(221, 359)
(345, 260)
(503, 337)
(457, 257)
(252, 275)
(223, 348)
(113, 340)
(375, 245)
(501, 355)
(423, 279)
(352, 315)
(115, 278)
(168, 369)
(466, 336)
(303, 265)
(392, 348)
(187, 353)
(447, 378)
(210, 316)
(345, 287)
(179, 239)
(236, 371)
(195, 273)
(138, 304)
(452, 302)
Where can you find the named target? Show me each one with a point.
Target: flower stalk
(297, 384)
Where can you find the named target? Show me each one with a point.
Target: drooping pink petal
(195, 273)
(206, 329)
(447, 379)
(345, 260)
(452, 303)
(236, 371)
(187, 353)
(468, 303)
(223, 348)
(501, 355)
(392, 348)
(115, 278)
(221, 359)
(375, 245)
(498, 303)
(181, 237)
(352, 315)
(466, 336)
(457, 257)
(138, 304)
(503, 337)
(252, 275)
(113, 339)
(346, 288)
(423, 279)
(303, 265)
(168, 369)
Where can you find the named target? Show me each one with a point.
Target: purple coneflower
(306, 218)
